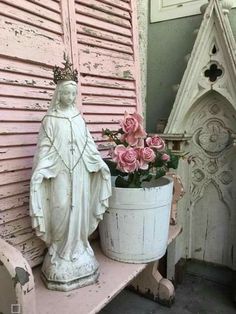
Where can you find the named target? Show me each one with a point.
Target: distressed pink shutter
(106, 34)
(33, 36)
(101, 38)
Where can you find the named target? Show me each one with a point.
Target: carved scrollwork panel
(213, 137)
(210, 141)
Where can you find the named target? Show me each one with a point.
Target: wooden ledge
(114, 276)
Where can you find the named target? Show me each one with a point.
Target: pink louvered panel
(100, 35)
(33, 38)
(107, 63)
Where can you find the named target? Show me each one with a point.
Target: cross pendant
(72, 149)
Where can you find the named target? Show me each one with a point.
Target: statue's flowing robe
(68, 203)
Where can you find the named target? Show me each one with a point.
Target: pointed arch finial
(225, 4)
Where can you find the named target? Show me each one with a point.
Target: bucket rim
(167, 178)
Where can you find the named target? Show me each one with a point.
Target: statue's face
(68, 95)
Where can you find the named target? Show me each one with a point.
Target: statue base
(65, 275)
(67, 286)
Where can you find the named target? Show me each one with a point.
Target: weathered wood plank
(52, 5)
(106, 17)
(100, 91)
(16, 164)
(31, 18)
(23, 80)
(14, 189)
(118, 3)
(95, 63)
(9, 203)
(98, 137)
(24, 103)
(18, 140)
(106, 82)
(14, 226)
(24, 67)
(97, 127)
(98, 33)
(105, 118)
(100, 100)
(96, 42)
(36, 10)
(15, 176)
(123, 57)
(90, 21)
(35, 256)
(20, 236)
(38, 44)
(104, 146)
(17, 151)
(103, 110)
(30, 244)
(21, 115)
(20, 127)
(23, 92)
(104, 7)
(7, 216)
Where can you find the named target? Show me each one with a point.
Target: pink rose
(155, 142)
(126, 158)
(132, 127)
(131, 122)
(146, 155)
(165, 157)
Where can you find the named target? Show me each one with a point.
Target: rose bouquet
(137, 157)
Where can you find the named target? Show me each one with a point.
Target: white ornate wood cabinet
(203, 118)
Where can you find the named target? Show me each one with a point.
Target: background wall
(168, 44)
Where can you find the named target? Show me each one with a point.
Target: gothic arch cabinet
(204, 119)
(101, 39)
(211, 217)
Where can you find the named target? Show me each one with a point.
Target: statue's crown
(66, 74)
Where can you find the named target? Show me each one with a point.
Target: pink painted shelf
(114, 276)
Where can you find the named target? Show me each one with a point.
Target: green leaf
(147, 177)
(121, 182)
(134, 180)
(174, 161)
(160, 173)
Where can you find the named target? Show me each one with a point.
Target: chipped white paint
(204, 113)
(135, 226)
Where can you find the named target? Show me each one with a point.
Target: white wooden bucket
(135, 227)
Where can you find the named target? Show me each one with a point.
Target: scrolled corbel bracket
(152, 285)
(178, 193)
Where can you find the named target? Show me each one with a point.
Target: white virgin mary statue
(70, 187)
